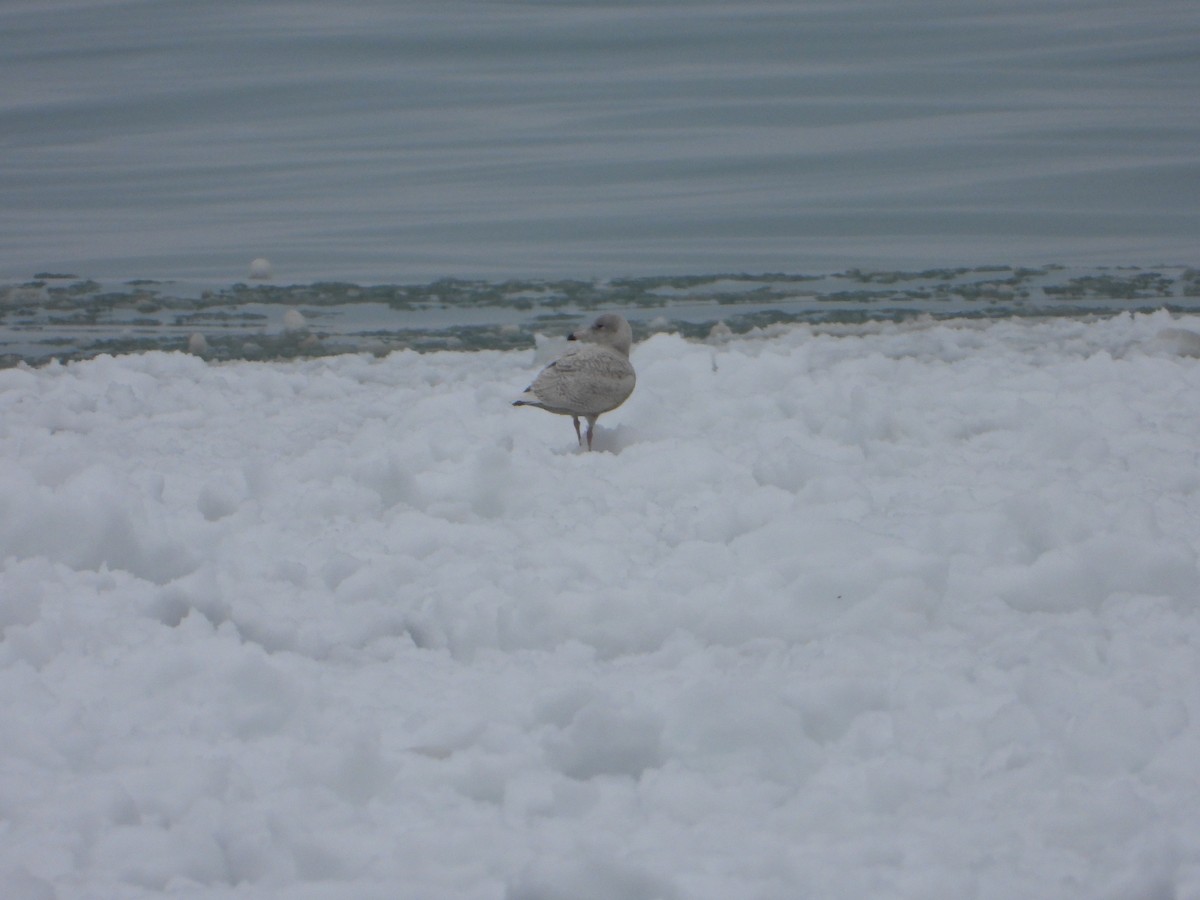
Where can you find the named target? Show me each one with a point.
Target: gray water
(401, 143)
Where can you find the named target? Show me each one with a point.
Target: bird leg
(579, 436)
(591, 420)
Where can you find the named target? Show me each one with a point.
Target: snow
(897, 610)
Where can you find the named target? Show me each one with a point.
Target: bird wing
(587, 380)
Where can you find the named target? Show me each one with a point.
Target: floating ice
(260, 269)
(294, 320)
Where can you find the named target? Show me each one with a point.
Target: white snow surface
(887, 611)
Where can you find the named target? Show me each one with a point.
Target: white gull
(591, 378)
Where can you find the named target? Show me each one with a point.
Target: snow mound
(905, 610)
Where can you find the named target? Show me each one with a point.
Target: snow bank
(896, 611)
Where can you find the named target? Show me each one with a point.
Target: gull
(591, 378)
